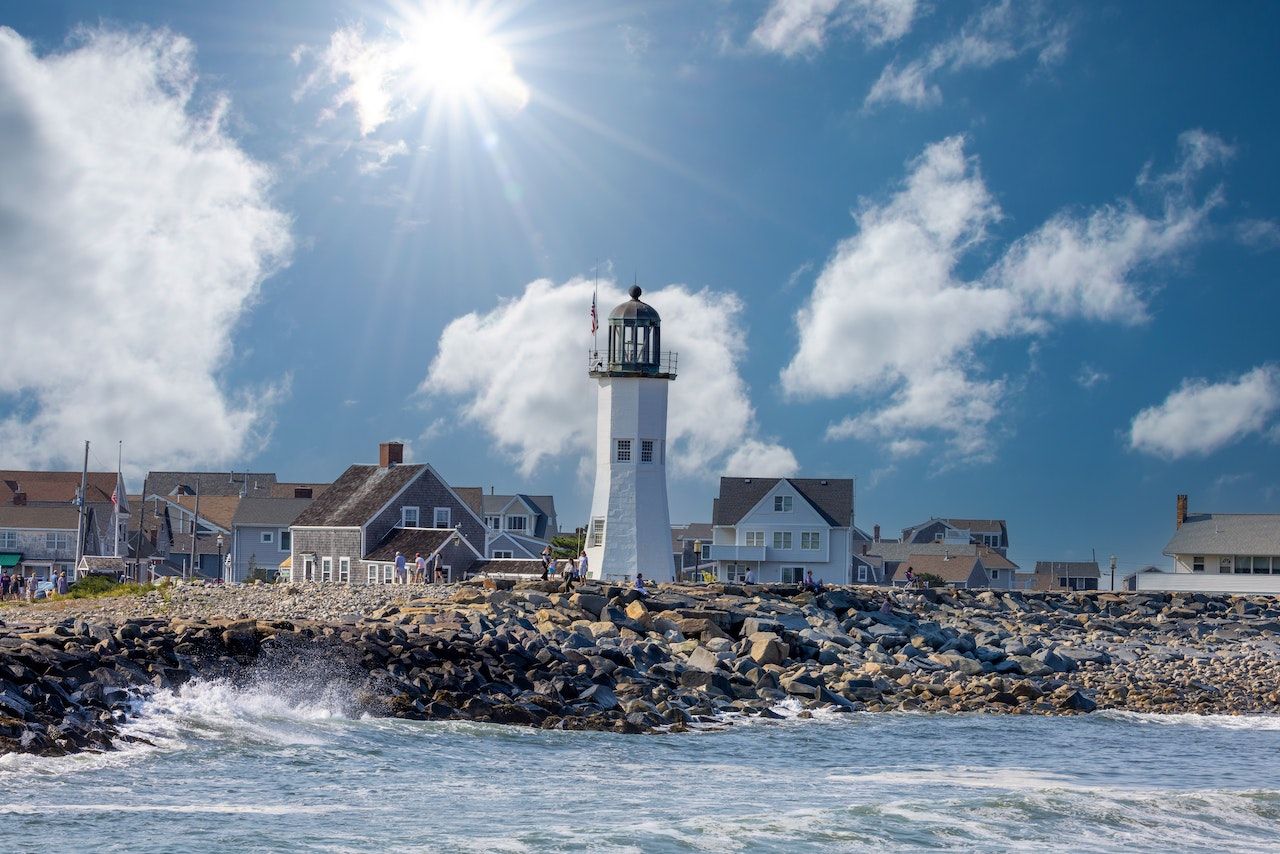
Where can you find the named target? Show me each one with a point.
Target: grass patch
(102, 587)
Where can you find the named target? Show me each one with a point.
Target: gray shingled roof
(410, 542)
(354, 497)
(55, 518)
(831, 497)
(1070, 568)
(513, 566)
(1227, 534)
(211, 482)
(954, 569)
(278, 512)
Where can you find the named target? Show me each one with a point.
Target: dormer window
(442, 518)
(517, 523)
(493, 522)
(408, 517)
(782, 504)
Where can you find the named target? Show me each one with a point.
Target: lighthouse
(630, 527)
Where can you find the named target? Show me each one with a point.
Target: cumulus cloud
(435, 56)
(891, 316)
(520, 373)
(1089, 376)
(998, 33)
(1200, 417)
(795, 27)
(134, 233)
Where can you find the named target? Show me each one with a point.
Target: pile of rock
(604, 657)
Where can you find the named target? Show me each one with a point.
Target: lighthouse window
(597, 532)
(624, 450)
(646, 450)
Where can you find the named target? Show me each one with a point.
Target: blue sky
(994, 260)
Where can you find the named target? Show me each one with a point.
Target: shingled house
(517, 526)
(350, 534)
(992, 533)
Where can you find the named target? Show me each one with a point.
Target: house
(351, 533)
(516, 526)
(993, 533)
(1220, 553)
(686, 543)
(40, 519)
(179, 527)
(782, 528)
(1066, 575)
(112, 567)
(959, 571)
(1003, 574)
(210, 483)
(1130, 581)
(260, 535)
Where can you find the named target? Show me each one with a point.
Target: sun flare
(452, 53)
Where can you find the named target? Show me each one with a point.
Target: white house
(782, 528)
(1220, 552)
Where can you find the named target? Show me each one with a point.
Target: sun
(452, 52)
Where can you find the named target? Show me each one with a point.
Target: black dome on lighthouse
(634, 309)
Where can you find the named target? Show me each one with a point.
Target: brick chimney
(302, 492)
(390, 454)
(1182, 510)
(19, 499)
(875, 533)
(865, 547)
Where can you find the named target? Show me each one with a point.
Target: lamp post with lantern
(221, 565)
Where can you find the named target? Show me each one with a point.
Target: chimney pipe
(492, 489)
(19, 499)
(1182, 510)
(302, 492)
(875, 533)
(865, 546)
(390, 454)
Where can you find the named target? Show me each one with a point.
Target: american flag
(595, 318)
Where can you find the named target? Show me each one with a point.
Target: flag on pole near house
(120, 496)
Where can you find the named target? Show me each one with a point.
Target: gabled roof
(276, 512)
(831, 497)
(210, 483)
(689, 532)
(357, 495)
(50, 518)
(1227, 534)
(1073, 569)
(413, 541)
(973, 526)
(491, 504)
(217, 510)
(285, 490)
(952, 570)
(892, 550)
(57, 487)
(102, 563)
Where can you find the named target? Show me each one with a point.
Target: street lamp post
(221, 566)
(697, 560)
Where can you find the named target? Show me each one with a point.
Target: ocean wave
(1247, 722)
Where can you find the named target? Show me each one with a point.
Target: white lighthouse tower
(630, 529)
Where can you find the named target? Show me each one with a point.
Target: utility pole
(195, 526)
(80, 526)
(1113, 573)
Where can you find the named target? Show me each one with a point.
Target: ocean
(278, 767)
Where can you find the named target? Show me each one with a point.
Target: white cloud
(890, 315)
(794, 27)
(998, 33)
(136, 233)
(1089, 376)
(1200, 417)
(441, 57)
(520, 372)
(1259, 234)
(380, 154)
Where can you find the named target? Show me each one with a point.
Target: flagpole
(115, 516)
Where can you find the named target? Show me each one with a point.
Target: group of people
(419, 574)
(574, 569)
(16, 586)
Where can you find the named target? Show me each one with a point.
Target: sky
(991, 259)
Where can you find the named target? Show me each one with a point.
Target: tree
(566, 545)
(256, 573)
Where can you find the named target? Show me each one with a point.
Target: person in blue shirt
(399, 568)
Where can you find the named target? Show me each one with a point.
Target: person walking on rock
(399, 568)
(570, 573)
(582, 566)
(62, 582)
(437, 572)
(420, 568)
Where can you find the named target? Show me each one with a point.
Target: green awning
(8, 560)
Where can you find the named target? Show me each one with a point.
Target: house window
(1197, 563)
(499, 553)
(326, 569)
(937, 538)
(286, 541)
(782, 504)
(372, 576)
(811, 540)
(308, 569)
(597, 532)
(442, 517)
(995, 575)
(268, 536)
(1242, 565)
(782, 539)
(862, 573)
(8, 540)
(646, 450)
(493, 522)
(735, 572)
(1224, 565)
(792, 574)
(388, 571)
(57, 542)
(344, 570)
(624, 451)
(1263, 565)
(755, 538)
(408, 517)
(517, 523)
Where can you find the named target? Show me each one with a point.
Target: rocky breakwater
(605, 658)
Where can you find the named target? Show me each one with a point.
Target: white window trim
(493, 523)
(646, 450)
(405, 512)
(524, 522)
(783, 504)
(268, 536)
(445, 513)
(371, 576)
(326, 568)
(622, 450)
(862, 573)
(755, 539)
(344, 570)
(597, 532)
(785, 538)
(502, 553)
(814, 538)
(280, 540)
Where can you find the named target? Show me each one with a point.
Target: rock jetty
(605, 658)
